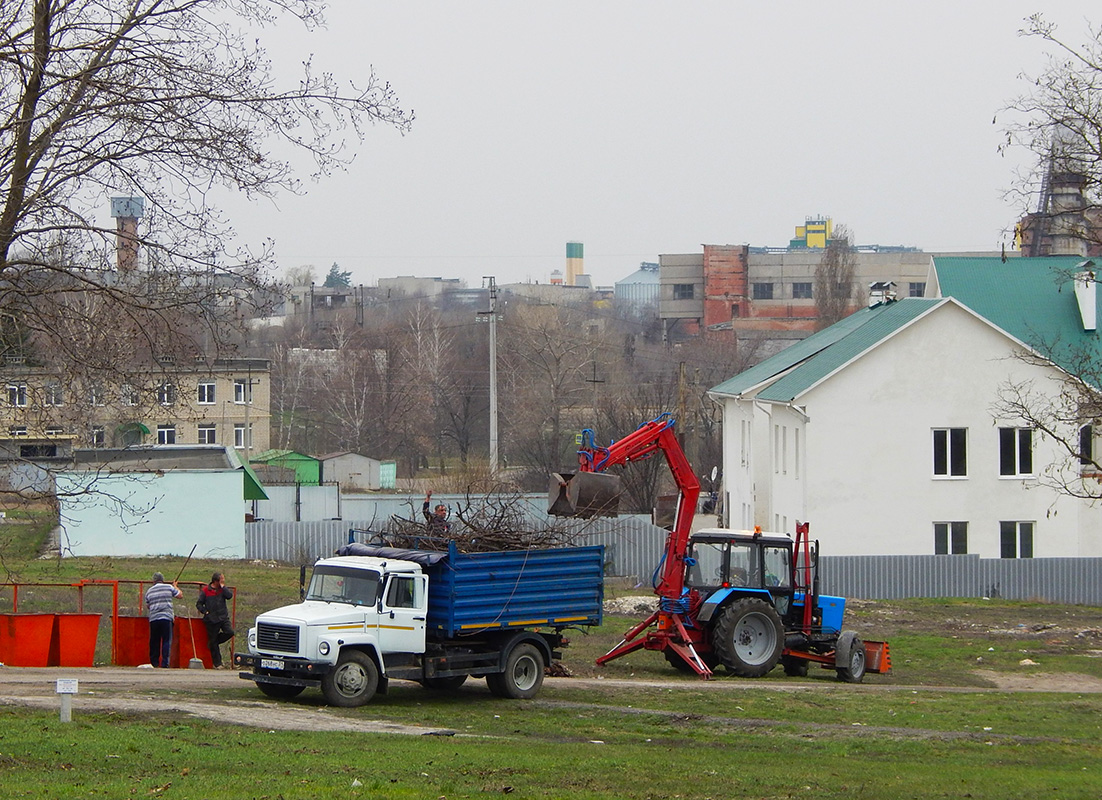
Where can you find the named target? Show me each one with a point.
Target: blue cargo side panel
(470, 593)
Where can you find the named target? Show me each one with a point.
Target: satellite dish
(715, 471)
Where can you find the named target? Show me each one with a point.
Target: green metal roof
(805, 363)
(1032, 299)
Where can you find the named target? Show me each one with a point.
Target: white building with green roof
(882, 430)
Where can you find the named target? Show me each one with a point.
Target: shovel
(194, 663)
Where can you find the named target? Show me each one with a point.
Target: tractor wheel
(352, 682)
(794, 667)
(749, 637)
(851, 665)
(523, 675)
(448, 684)
(681, 665)
(280, 691)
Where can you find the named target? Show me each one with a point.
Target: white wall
(139, 514)
(867, 472)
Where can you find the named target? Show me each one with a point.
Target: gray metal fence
(633, 547)
(1058, 580)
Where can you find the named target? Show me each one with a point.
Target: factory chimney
(126, 211)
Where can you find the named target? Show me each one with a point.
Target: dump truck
(372, 614)
(746, 600)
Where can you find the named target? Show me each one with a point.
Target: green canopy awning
(253, 488)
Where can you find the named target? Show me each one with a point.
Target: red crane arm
(656, 435)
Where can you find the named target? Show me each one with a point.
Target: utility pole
(491, 317)
(594, 380)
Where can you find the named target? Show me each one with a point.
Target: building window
(735, 311)
(54, 430)
(53, 394)
(38, 451)
(682, 291)
(207, 435)
(17, 395)
(950, 538)
(1015, 451)
(763, 291)
(17, 430)
(951, 452)
(239, 435)
(1016, 539)
(1086, 445)
(206, 394)
(917, 289)
(242, 390)
(166, 394)
(166, 434)
(801, 291)
(98, 437)
(130, 395)
(95, 395)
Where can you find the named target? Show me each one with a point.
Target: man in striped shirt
(158, 599)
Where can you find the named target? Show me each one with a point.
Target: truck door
(402, 621)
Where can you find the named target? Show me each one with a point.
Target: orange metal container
(182, 638)
(74, 642)
(25, 639)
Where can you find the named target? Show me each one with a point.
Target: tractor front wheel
(749, 637)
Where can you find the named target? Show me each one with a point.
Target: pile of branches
(482, 524)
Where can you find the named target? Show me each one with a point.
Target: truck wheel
(749, 637)
(523, 675)
(352, 682)
(850, 658)
(794, 667)
(280, 691)
(444, 684)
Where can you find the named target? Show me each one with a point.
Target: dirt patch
(1042, 681)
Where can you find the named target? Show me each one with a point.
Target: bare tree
(834, 288)
(156, 103)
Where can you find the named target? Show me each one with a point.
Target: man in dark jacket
(436, 521)
(212, 605)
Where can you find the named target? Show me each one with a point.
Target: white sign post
(66, 687)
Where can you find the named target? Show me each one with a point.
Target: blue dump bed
(474, 592)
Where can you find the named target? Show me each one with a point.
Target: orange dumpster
(25, 639)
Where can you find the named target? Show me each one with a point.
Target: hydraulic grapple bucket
(584, 495)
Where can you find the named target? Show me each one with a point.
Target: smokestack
(126, 211)
(574, 266)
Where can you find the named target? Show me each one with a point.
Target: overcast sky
(640, 128)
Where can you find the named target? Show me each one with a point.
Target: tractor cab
(725, 562)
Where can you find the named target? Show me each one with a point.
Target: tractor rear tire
(523, 675)
(749, 637)
(794, 667)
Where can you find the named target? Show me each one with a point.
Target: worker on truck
(436, 521)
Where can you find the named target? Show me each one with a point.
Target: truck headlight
(252, 638)
(323, 648)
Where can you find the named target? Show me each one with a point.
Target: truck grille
(276, 638)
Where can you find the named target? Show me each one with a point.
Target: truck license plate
(271, 663)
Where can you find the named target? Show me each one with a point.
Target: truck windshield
(360, 587)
